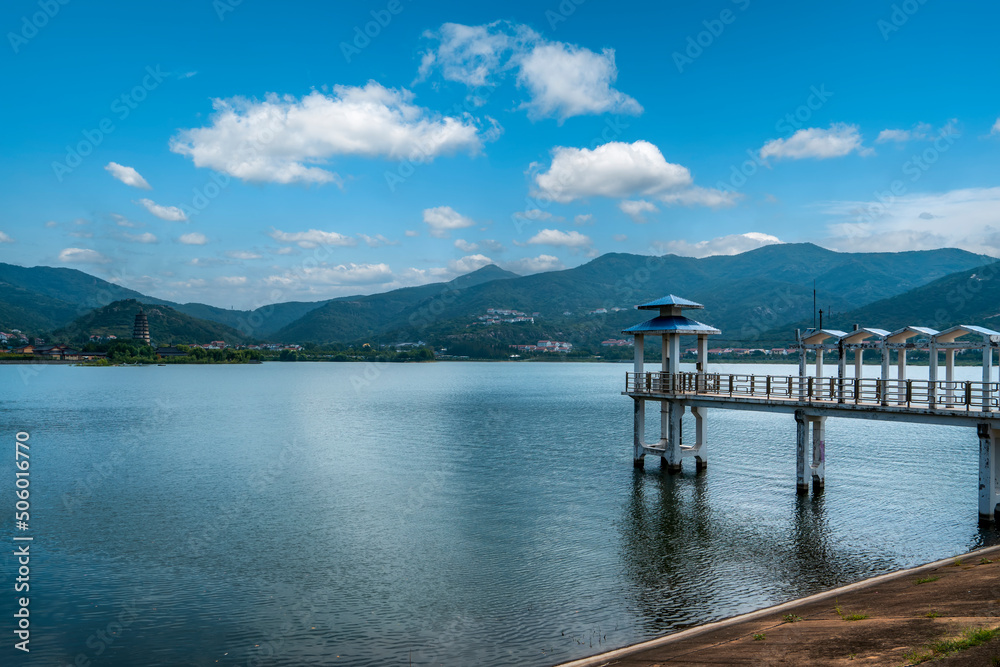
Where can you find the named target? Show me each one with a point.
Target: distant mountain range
(752, 296)
(167, 326)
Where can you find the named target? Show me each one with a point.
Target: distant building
(140, 330)
(171, 351)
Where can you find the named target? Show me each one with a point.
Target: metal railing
(942, 395)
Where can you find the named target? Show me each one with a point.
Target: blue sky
(239, 153)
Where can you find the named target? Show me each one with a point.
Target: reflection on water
(463, 513)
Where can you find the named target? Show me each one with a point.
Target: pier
(812, 398)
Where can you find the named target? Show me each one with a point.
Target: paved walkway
(903, 616)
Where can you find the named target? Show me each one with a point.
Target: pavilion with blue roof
(670, 324)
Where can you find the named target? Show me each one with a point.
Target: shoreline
(969, 582)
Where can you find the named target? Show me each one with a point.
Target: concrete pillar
(987, 372)
(802, 373)
(671, 460)
(886, 353)
(841, 371)
(818, 453)
(664, 354)
(674, 341)
(932, 375)
(859, 362)
(701, 445)
(819, 363)
(949, 373)
(801, 440)
(638, 363)
(702, 353)
(901, 375)
(639, 431)
(989, 473)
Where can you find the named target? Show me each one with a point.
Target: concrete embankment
(893, 619)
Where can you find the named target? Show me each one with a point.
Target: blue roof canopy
(671, 324)
(669, 300)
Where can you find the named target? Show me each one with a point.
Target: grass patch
(927, 580)
(849, 617)
(932, 614)
(969, 638)
(759, 636)
(958, 562)
(985, 561)
(791, 618)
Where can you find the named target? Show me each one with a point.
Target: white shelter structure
(811, 398)
(670, 325)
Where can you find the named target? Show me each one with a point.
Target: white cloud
(82, 235)
(4, 238)
(733, 244)
(442, 219)
(376, 241)
(280, 139)
(468, 264)
(171, 213)
(899, 136)
(556, 237)
(466, 246)
(122, 221)
(538, 264)
(194, 238)
(242, 254)
(996, 127)
(699, 196)
(567, 80)
(838, 140)
(615, 169)
(286, 250)
(127, 175)
(620, 237)
(145, 237)
(537, 214)
(470, 54)
(312, 239)
(968, 218)
(583, 219)
(334, 275)
(231, 281)
(82, 256)
(562, 79)
(411, 233)
(637, 209)
(51, 223)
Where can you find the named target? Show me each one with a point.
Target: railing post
(857, 390)
(769, 386)
(909, 392)
(730, 384)
(968, 395)
(810, 387)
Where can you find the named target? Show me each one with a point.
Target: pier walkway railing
(964, 396)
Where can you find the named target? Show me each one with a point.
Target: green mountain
(167, 326)
(966, 297)
(43, 298)
(745, 295)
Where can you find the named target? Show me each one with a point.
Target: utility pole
(814, 304)
(820, 318)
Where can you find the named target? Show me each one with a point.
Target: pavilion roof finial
(669, 300)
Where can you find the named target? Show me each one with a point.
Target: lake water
(432, 514)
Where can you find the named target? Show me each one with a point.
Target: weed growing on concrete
(927, 580)
(791, 618)
(759, 637)
(969, 638)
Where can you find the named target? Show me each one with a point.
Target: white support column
(639, 410)
(639, 432)
(859, 362)
(675, 354)
(801, 441)
(841, 371)
(671, 459)
(932, 375)
(987, 372)
(989, 473)
(700, 431)
(802, 373)
(638, 364)
(665, 353)
(818, 453)
(819, 363)
(702, 353)
(884, 374)
(901, 375)
(949, 373)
